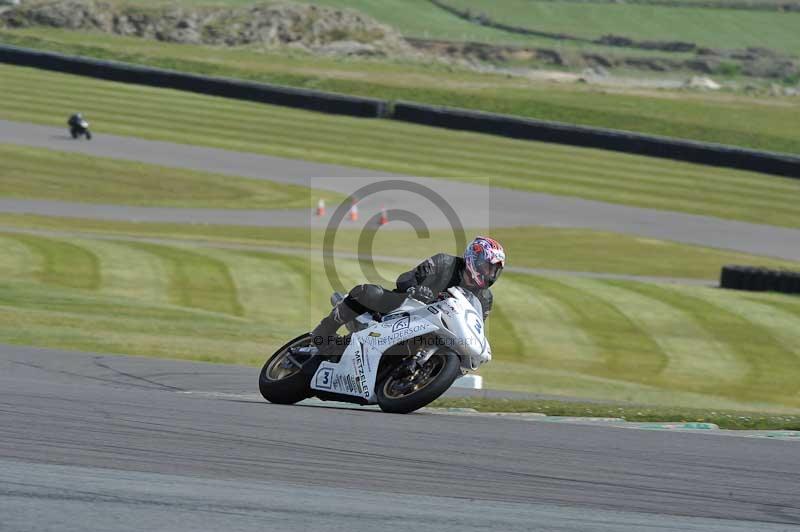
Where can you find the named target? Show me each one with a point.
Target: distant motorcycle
(401, 361)
(79, 127)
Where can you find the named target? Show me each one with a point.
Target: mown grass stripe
(17, 261)
(781, 322)
(195, 280)
(697, 360)
(772, 368)
(629, 353)
(36, 173)
(62, 263)
(268, 288)
(554, 338)
(49, 316)
(790, 304)
(507, 344)
(128, 272)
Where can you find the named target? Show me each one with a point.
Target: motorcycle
(401, 361)
(80, 128)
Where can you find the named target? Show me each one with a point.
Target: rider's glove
(421, 293)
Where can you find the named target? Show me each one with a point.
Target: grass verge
(34, 173)
(732, 420)
(44, 97)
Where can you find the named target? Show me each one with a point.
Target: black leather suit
(438, 273)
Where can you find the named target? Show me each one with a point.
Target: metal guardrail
(310, 100)
(593, 137)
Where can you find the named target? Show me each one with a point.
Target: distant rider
(75, 120)
(76, 126)
(481, 265)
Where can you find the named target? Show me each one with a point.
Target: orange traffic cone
(384, 219)
(354, 212)
(321, 207)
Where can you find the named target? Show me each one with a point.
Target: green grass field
(45, 174)
(723, 118)
(613, 340)
(717, 28)
(46, 98)
(708, 27)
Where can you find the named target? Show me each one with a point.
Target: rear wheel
(285, 378)
(404, 391)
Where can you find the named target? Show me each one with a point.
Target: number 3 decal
(323, 380)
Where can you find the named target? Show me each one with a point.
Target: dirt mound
(269, 24)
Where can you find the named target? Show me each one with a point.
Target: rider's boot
(324, 335)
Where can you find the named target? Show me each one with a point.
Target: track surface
(92, 442)
(477, 206)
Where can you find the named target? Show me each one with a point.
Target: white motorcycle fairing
(457, 325)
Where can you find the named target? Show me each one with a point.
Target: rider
(75, 120)
(77, 126)
(476, 271)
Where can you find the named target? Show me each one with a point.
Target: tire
(288, 389)
(74, 133)
(794, 283)
(449, 371)
(771, 281)
(750, 279)
(88, 135)
(729, 277)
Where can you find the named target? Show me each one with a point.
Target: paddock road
(112, 443)
(477, 206)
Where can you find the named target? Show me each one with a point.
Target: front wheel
(404, 391)
(282, 379)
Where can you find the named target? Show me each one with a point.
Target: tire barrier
(449, 118)
(606, 139)
(309, 100)
(756, 279)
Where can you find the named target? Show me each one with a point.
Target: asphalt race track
(477, 206)
(112, 443)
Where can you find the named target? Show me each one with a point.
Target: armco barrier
(759, 279)
(243, 90)
(606, 139)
